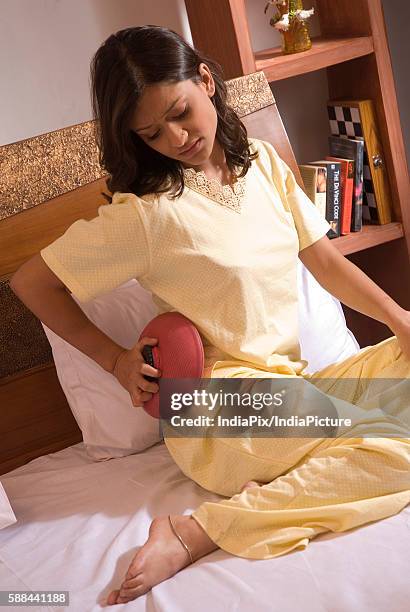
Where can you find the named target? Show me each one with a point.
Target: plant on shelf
(290, 19)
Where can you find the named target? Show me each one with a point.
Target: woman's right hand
(130, 369)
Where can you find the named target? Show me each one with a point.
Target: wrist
(397, 318)
(117, 361)
(111, 360)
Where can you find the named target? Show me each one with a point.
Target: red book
(347, 179)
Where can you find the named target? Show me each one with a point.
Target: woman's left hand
(401, 329)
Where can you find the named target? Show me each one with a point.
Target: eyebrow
(167, 111)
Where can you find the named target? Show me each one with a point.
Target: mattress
(80, 522)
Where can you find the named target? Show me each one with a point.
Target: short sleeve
(309, 223)
(96, 256)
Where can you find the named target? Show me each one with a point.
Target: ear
(207, 79)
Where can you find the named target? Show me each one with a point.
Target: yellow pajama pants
(311, 485)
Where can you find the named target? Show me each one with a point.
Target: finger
(145, 397)
(147, 340)
(149, 370)
(146, 385)
(138, 399)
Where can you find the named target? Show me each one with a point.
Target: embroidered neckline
(225, 195)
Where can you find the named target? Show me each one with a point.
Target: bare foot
(250, 485)
(162, 556)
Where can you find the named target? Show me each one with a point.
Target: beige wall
(46, 47)
(45, 51)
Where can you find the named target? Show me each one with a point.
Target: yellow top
(225, 259)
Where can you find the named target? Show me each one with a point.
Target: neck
(218, 158)
(215, 164)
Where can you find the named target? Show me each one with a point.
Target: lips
(190, 147)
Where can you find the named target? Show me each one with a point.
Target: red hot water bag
(179, 352)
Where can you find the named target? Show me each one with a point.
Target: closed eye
(183, 114)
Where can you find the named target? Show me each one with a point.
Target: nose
(177, 137)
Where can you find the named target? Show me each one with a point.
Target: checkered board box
(355, 119)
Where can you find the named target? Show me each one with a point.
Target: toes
(124, 595)
(112, 597)
(134, 570)
(133, 582)
(130, 594)
(136, 566)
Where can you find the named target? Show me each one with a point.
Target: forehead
(156, 100)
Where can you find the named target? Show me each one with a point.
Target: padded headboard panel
(46, 183)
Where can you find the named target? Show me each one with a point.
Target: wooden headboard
(47, 183)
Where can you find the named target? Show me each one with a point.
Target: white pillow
(110, 424)
(7, 516)
(323, 335)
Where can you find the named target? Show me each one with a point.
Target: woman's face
(171, 118)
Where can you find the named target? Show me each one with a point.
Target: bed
(81, 516)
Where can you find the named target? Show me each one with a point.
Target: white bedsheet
(79, 524)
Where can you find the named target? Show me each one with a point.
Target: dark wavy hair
(126, 63)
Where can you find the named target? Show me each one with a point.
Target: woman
(213, 223)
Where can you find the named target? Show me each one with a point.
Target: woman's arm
(46, 296)
(354, 288)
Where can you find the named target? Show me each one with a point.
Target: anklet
(180, 539)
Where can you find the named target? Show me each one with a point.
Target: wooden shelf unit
(324, 52)
(353, 49)
(370, 236)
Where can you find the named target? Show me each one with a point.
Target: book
(357, 119)
(347, 175)
(332, 195)
(349, 148)
(314, 179)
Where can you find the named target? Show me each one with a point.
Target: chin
(205, 152)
